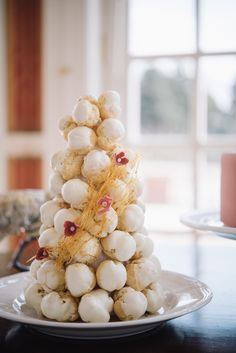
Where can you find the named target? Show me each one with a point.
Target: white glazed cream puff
(86, 113)
(137, 187)
(119, 245)
(109, 104)
(66, 124)
(89, 249)
(50, 277)
(129, 304)
(131, 219)
(59, 306)
(89, 98)
(76, 193)
(34, 267)
(96, 306)
(49, 238)
(141, 273)
(131, 155)
(110, 132)
(111, 275)
(82, 139)
(55, 159)
(34, 294)
(156, 262)
(103, 224)
(117, 190)
(144, 245)
(55, 184)
(67, 163)
(80, 279)
(65, 214)
(48, 211)
(95, 166)
(155, 297)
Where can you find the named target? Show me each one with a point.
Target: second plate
(209, 221)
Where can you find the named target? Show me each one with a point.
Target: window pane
(166, 94)
(164, 195)
(218, 82)
(161, 26)
(217, 25)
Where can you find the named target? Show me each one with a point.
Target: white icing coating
(95, 165)
(55, 184)
(112, 129)
(65, 214)
(65, 125)
(89, 249)
(141, 273)
(129, 304)
(64, 122)
(82, 139)
(55, 159)
(109, 104)
(49, 238)
(111, 275)
(96, 306)
(76, 193)
(80, 279)
(89, 98)
(144, 245)
(131, 219)
(59, 307)
(117, 190)
(119, 245)
(50, 277)
(34, 294)
(86, 113)
(48, 211)
(155, 297)
(34, 267)
(130, 154)
(102, 224)
(67, 163)
(156, 262)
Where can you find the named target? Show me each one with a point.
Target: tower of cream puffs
(95, 260)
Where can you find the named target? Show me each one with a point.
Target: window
(181, 59)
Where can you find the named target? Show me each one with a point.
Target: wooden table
(211, 329)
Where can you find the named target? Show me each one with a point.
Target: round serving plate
(208, 221)
(183, 295)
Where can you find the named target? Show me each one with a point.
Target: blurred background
(174, 65)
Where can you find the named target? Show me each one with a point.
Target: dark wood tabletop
(211, 329)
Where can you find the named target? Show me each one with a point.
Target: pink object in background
(228, 189)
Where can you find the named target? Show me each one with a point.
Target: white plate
(209, 221)
(182, 296)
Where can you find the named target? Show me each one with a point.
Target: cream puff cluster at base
(95, 260)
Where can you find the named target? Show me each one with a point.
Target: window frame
(198, 141)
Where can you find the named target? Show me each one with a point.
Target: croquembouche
(95, 260)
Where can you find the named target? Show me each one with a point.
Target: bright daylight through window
(182, 73)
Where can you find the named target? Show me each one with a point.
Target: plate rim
(188, 219)
(111, 325)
